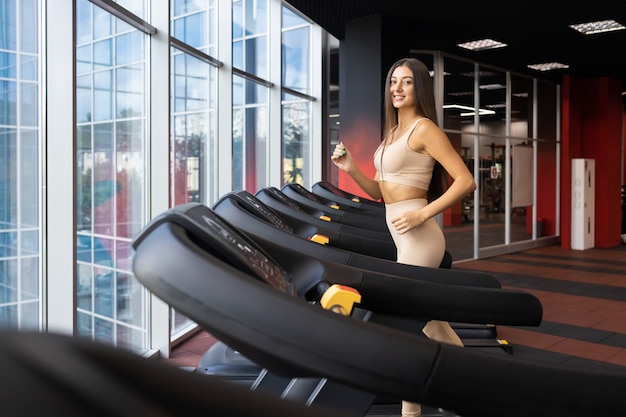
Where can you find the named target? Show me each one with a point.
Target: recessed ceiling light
(598, 27)
(548, 66)
(496, 106)
(491, 86)
(471, 111)
(461, 93)
(482, 44)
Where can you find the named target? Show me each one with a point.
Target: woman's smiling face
(402, 87)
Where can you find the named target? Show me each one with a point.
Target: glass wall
(492, 117)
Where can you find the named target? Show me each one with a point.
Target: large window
(296, 114)
(250, 101)
(193, 109)
(110, 159)
(20, 226)
(20, 166)
(167, 102)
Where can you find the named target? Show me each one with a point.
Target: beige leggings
(422, 246)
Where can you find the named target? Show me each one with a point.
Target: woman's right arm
(342, 158)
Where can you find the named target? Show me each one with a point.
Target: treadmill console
(238, 250)
(303, 191)
(337, 191)
(258, 208)
(278, 195)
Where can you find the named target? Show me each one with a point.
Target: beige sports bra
(398, 163)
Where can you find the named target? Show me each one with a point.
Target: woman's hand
(408, 221)
(342, 157)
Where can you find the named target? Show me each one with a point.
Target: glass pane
(238, 22)
(191, 30)
(84, 94)
(129, 177)
(238, 155)
(458, 98)
(192, 85)
(101, 24)
(256, 56)
(296, 141)
(256, 16)
(29, 180)
(29, 40)
(8, 102)
(8, 179)
(291, 19)
(29, 104)
(103, 95)
(295, 59)
(8, 67)
(522, 158)
(8, 34)
(492, 112)
(249, 29)
(28, 67)
(8, 274)
(492, 194)
(129, 91)
(250, 136)
(136, 7)
(102, 54)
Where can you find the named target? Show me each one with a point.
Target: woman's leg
(441, 331)
(421, 246)
(410, 409)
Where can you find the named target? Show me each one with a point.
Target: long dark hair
(424, 105)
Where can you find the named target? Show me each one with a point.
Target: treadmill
(200, 265)
(519, 308)
(374, 220)
(330, 191)
(273, 233)
(60, 375)
(356, 239)
(252, 216)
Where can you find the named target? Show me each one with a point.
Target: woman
(414, 163)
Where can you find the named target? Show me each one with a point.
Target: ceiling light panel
(482, 44)
(600, 26)
(548, 66)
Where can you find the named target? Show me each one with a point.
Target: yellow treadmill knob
(321, 239)
(340, 299)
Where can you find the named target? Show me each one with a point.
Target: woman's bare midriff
(394, 193)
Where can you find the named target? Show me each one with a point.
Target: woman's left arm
(438, 145)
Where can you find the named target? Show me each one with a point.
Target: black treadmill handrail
(382, 293)
(269, 329)
(76, 377)
(350, 215)
(329, 191)
(264, 231)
